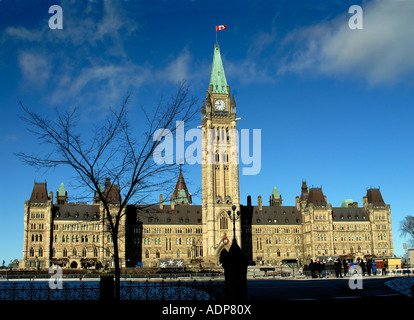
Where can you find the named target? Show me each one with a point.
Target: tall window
(223, 222)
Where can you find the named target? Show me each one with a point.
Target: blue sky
(334, 105)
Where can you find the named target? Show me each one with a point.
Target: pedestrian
(319, 269)
(323, 269)
(384, 268)
(345, 266)
(312, 268)
(338, 267)
(362, 265)
(351, 268)
(374, 268)
(369, 266)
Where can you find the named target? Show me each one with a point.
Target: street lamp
(233, 219)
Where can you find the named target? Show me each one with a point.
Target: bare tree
(407, 228)
(112, 151)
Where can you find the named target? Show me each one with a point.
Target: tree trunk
(117, 268)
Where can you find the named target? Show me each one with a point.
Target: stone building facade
(67, 234)
(314, 229)
(76, 234)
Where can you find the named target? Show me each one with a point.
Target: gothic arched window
(223, 222)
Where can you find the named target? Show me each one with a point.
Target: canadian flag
(220, 27)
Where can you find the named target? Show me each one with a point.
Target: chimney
(107, 184)
(161, 202)
(172, 202)
(249, 202)
(259, 203)
(365, 201)
(297, 202)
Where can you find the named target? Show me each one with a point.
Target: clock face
(220, 105)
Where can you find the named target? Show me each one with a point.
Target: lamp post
(233, 219)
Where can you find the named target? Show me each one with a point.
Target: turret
(61, 195)
(275, 198)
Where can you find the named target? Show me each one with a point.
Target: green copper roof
(62, 191)
(217, 77)
(182, 196)
(346, 202)
(275, 193)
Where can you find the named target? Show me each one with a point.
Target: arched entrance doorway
(74, 265)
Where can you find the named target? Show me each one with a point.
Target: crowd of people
(347, 267)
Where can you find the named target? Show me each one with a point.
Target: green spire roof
(275, 193)
(217, 77)
(62, 191)
(182, 196)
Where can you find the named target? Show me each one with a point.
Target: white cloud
(178, 69)
(257, 66)
(35, 67)
(99, 86)
(381, 53)
(85, 64)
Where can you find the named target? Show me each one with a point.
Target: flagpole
(216, 37)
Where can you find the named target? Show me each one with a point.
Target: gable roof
(349, 214)
(271, 215)
(181, 215)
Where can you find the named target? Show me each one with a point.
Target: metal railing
(130, 290)
(132, 276)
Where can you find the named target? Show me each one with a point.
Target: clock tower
(220, 167)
